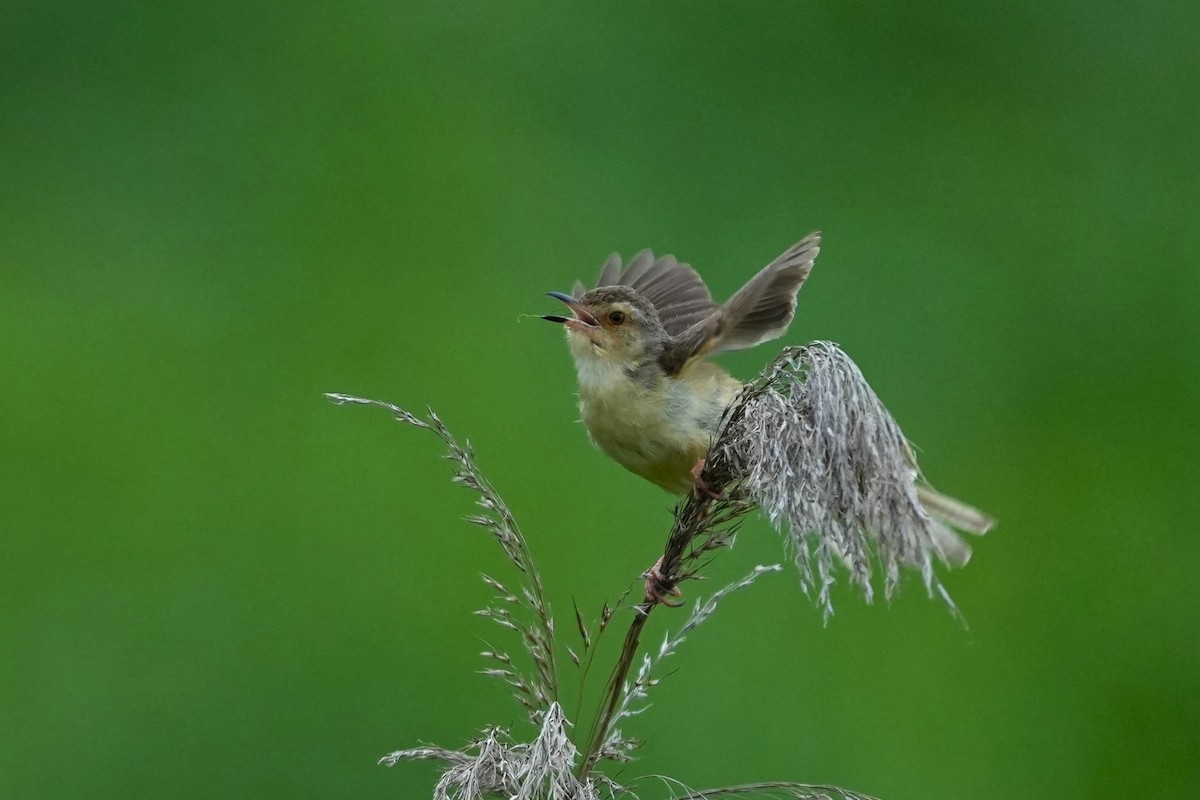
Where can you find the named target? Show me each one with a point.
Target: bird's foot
(660, 588)
(699, 485)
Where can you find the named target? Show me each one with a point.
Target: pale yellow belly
(658, 432)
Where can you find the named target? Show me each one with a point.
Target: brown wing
(677, 293)
(760, 311)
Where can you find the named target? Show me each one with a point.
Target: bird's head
(612, 323)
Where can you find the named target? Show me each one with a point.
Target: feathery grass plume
(496, 765)
(537, 691)
(777, 789)
(812, 444)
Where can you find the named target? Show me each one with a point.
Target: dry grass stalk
(809, 443)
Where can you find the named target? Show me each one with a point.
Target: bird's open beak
(583, 321)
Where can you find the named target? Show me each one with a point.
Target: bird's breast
(654, 425)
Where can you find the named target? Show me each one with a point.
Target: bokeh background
(213, 583)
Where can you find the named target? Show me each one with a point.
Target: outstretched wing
(760, 311)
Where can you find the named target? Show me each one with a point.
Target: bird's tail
(953, 515)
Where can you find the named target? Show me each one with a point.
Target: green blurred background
(216, 584)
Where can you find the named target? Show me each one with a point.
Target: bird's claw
(660, 588)
(699, 485)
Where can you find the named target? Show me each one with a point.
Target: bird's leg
(700, 486)
(659, 588)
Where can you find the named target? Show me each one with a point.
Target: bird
(648, 395)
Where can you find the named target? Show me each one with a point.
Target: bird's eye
(616, 317)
